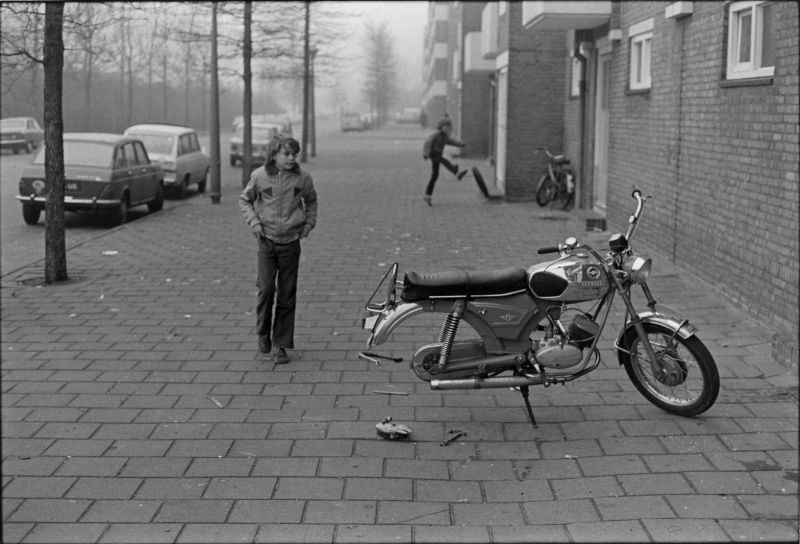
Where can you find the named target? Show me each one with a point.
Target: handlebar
(546, 151)
(633, 220)
(548, 249)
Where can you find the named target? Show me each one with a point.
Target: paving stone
(564, 511)
(685, 530)
(767, 530)
(286, 533)
(121, 511)
(65, 533)
(706, 506)
(215, 533)
(104, 488)
(193, 511)
(308, 487)
(52, 510)
(37, 487)
(141, 533)
(608, 531)
(583, 488)
(172, 488)
(640, 507)
(285, 467)
(379, 489)
(413, 512)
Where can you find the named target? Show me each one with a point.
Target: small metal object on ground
(379, 356)
(456, 435)
(390, 392)
(392, 431)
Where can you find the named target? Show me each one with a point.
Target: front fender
(681, 327)
(390, 319)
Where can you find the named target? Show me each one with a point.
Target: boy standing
(433, 149)
(279, 204)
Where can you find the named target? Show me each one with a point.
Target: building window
(640, 38)
(751, 40)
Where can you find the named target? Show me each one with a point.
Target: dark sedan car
(102, 173)
(20, 134)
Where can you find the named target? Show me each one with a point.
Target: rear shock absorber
(448, 332)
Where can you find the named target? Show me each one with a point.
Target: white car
(262, 134)
(178, 150)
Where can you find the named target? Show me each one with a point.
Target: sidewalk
(136, 409)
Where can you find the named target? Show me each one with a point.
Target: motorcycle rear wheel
(546, 190)
(693, 370)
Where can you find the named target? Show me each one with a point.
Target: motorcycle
(534, 326)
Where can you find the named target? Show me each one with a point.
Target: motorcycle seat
(462, 283)
(560, 159)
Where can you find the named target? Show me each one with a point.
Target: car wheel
(233, 160)
(182, 188)
(158, 202)
(201, 185)
(31, 213)
(120, 214)
(29, 147)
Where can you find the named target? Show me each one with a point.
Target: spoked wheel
(686, 382)
(546, 190)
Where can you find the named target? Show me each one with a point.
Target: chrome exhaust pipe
(488, 383)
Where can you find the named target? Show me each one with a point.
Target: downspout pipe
(580, 37)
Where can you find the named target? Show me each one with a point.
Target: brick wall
(476, 107)
(721, 161)
(535, 103)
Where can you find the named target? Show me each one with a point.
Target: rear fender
(391, 319)
(679, 327)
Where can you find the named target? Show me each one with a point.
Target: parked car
(178, 149)
(102, 173)
(20, 134)
(351, 121)
(409, 115)
(284, 121)
(262, 133)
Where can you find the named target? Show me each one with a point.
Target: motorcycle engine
(552, 354)
(555, 353)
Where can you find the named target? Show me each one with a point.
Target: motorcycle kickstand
(525, 392)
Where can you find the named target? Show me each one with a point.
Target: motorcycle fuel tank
(574, 278)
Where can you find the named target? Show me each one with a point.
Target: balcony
(489, 35)
(565, 15)
(473, 57)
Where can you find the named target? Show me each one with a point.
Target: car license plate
(72, 186)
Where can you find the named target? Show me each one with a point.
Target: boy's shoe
(264, 344)
(461, 175)
(428, 200)
(280, 357)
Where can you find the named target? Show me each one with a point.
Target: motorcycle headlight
(638, 268)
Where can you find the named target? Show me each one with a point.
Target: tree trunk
(55, 250)
(247, 107)
(306, 52)
(215, 151)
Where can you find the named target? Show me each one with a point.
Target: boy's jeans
(436, 159)
(278, 265)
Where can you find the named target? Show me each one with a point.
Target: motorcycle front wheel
(546, 190)
(689, 382)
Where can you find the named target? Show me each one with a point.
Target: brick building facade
(694, 102)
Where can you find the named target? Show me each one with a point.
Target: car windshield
(156, 143)
(12, 123)
(83, 154)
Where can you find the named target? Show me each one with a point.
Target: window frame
(735, 69)
(640, 56)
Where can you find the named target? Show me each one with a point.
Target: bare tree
(379, 81)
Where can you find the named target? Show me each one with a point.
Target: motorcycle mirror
(571, 242)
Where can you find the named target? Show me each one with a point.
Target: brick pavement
(136, 409)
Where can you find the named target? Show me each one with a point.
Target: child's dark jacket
(435, 143)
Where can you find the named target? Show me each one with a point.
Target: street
(137, 408)
(22, 244)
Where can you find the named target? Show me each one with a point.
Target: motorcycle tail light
(638, 269)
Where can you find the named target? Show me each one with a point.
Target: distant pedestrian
(279, 204)
(433, 149)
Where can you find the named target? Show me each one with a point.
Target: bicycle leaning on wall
(557, 186)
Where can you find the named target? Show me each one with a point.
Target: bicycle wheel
(546, 190)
